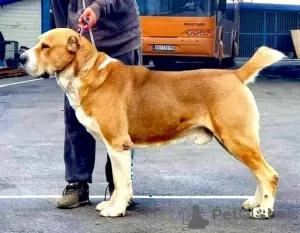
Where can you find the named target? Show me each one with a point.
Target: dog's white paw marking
(250, 203)
(114, 211)
(103, 205)
(261, 213)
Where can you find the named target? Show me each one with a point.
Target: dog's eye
(45, 46)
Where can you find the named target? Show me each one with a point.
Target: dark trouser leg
(80, 149)
(60, 13)
(131, 58)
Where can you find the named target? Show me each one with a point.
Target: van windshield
(185, 8)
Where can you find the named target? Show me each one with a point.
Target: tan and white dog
(129, 107)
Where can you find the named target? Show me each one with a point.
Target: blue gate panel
(249, 43)
(267, 24)
(251, 22)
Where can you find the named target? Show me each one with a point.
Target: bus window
(186, 8)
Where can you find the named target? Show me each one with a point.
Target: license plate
(164, 47)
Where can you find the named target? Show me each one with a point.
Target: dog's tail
(262, 58)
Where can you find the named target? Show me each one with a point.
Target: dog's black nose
(23, 59)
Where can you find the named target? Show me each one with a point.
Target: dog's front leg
(121, 168)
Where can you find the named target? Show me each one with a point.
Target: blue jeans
(80, 146)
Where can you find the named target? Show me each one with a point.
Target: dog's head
(54, 52)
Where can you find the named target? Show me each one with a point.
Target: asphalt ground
(169, 182)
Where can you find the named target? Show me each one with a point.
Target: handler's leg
(79, 151)
(79, 157)
(60, 13)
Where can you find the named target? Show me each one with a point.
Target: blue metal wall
(266, 24)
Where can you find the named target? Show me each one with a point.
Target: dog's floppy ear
(73, 44)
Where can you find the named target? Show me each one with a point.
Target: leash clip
(86, 22)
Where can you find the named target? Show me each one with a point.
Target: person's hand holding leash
(87, 19)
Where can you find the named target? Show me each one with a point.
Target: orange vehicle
(189, 30)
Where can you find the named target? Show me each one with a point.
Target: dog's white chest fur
(72, 91)
(71, 85)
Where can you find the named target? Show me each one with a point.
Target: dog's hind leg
(246, 150)
(237, 130)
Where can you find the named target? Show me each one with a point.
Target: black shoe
(74, 195)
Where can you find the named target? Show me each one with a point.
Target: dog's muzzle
(23, 58)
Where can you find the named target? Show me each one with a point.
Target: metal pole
(46, 15)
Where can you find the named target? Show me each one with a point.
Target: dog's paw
(261, 213)
(114, 211)
(102, 205)
(250, 204)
